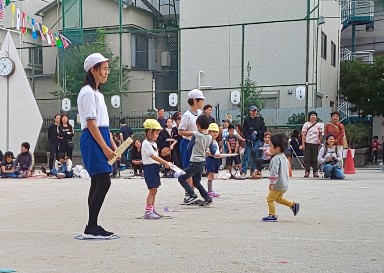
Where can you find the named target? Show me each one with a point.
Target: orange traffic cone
(349, 166)
(290, 167)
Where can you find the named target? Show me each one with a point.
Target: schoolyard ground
(340, 227)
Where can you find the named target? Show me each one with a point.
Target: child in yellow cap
(213, 161)
(151, 162)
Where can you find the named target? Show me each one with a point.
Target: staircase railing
(365, 56)
(356, 8)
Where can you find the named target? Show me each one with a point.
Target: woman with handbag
(311, 138)
(65, 135)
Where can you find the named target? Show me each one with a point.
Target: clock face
(7, 66)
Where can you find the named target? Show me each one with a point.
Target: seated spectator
(7, 166)
(1, 156)
(165, 144)
(24, 162)
(265, 156)
(137, 162)
(63, 167)
(331, 157)
(295, 143)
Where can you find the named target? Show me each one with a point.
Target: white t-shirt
(188, 121)
(312, 135)
(149, 148)
(91, 105)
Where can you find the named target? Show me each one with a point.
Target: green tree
(363, 85)
(250, 93)
(74, 70)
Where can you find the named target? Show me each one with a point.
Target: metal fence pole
(242, 71)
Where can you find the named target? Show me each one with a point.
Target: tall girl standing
(95, 141)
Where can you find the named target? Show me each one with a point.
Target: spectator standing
(375, 148)
(65, 136)
(176, 156)
(311, 136)
(253, 129)
(53, 140)
(160, 117)
(336, 128)
(207, 110)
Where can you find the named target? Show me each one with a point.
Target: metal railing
(365, 56)
(356, 8)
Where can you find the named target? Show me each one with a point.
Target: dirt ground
(339, 228)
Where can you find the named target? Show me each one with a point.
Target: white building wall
(276, 52)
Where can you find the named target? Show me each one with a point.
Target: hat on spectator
(9, 154)
(253, 107)
(196, 94)
(93, 59)
(152, 124)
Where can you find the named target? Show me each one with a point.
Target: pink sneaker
(213, 194)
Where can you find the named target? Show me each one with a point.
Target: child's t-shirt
(265, 148)
(188, 122)
(279, 169)
(25, 160)
(216, 146)
(231, 140)
(149, 148)
(202, 142)
(375, 144)
(7, 165)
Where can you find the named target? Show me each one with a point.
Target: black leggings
(100, 184)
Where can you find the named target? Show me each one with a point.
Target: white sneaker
(60, 175)
(151, 215)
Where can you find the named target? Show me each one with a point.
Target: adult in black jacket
(53, 139)
(253, 130)
(65, 136)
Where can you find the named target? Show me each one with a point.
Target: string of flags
(25, 23)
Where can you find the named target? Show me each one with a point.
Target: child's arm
(3, 170)
(56, 165)
(173, 144)
(161, 161)
(16, 162)
(31, 162)
(228, 147)
(274, 166)
(237, 147)
(191, 143)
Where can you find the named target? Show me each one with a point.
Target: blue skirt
(95, 161)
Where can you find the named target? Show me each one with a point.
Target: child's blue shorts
(152, 175)
(212, 164)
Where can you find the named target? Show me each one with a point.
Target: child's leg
(281, 200)
(184, 178)
(271, 198)
(210, 179)
(151, 198)
(197, 183)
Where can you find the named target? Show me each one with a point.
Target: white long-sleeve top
(326, 153)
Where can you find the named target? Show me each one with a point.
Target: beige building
(277, 51)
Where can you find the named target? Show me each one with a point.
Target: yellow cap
(152, 124)
(213, 127)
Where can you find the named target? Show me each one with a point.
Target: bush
(358, 135)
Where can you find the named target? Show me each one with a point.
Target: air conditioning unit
(165, 58)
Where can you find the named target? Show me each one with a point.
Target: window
(333, 54)
(323, 45)
(143, 52)
(36, 56)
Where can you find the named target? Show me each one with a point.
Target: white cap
(93, 59)
(196, 94)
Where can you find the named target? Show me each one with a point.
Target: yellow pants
(277, 196)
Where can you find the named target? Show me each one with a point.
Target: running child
(199, 144)
(152, 161)
(278, 178)
(213, 161)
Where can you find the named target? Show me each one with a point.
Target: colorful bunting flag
(34, 33)
(13, 9)
(1, 10)
(23, 23)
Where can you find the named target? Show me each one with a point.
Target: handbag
(70, 144)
